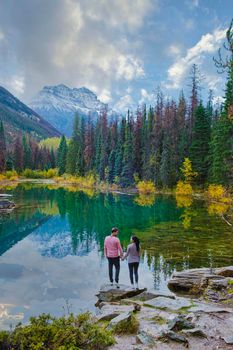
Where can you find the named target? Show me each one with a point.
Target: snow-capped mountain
(58, 104)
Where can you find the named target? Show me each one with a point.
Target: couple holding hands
(113, 252)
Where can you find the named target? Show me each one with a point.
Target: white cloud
(129, 67)
(174, 50)
(105, 96)
(218, 100)
(214, 81)
(125, 102)
(117, 13)
(78, 43)
(146, 97)
(209, 43)
(15, 84)
(2, 36)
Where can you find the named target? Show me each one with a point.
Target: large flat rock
(196, 280)
(110, 293)
(5, 204)
(171, 304)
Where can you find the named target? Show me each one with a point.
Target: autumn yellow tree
(185, 187)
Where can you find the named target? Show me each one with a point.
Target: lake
(51, 246)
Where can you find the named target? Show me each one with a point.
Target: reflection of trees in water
(93, 218)
(145, 200)
(186, 203)
(164, 236)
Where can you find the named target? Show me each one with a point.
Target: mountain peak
(58, 104)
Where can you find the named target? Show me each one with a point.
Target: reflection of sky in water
(51, 248)
(41, 272)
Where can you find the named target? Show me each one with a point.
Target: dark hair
(137, 242)
(114, 229)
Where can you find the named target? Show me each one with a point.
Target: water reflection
(52, 246)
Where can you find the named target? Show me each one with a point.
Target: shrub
(51, 173)
(2, 177)
(39, 174)
(64, 333)
(183, 188)
(11, 175)
(146, 187)
(216, 191)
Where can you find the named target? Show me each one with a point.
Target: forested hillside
(18, 119)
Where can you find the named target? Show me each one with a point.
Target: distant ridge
(58, 104)
(19, 118)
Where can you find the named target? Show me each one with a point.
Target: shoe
(117, 285)
(132, 286)
(111, 284)
(137, 286)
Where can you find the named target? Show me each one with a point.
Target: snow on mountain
(58, 104)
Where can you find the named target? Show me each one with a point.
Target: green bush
(39, 174)
(64, 333)
(11, 175)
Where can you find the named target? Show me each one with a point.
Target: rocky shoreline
(200, 319)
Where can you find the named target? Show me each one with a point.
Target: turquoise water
(51, 246)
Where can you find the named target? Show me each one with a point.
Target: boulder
(5, 204)
(208, 308)
(144, 338)
(108, 316)
(180, 322)
(109, 293)
(196, 280)
(174, 336)
(228, 340)
(147, 295)
(196, 332)
(218, 284)
(167, 303)
(225, 271)
(125, 317)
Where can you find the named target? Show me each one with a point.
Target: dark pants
(133, 270)
(116, 263)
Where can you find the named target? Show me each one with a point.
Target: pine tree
(137, 144)
(73, 149)
(199, 150)
(26, 153)
(18, 155)
(61, 156)
(165, 165)
(120, 149)
(127, 163)
(2, 149)
(222, 135)
(89, 145)
(194, 98)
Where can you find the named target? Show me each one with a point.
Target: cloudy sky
(121, 49)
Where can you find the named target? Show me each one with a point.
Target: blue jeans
(133, 270)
